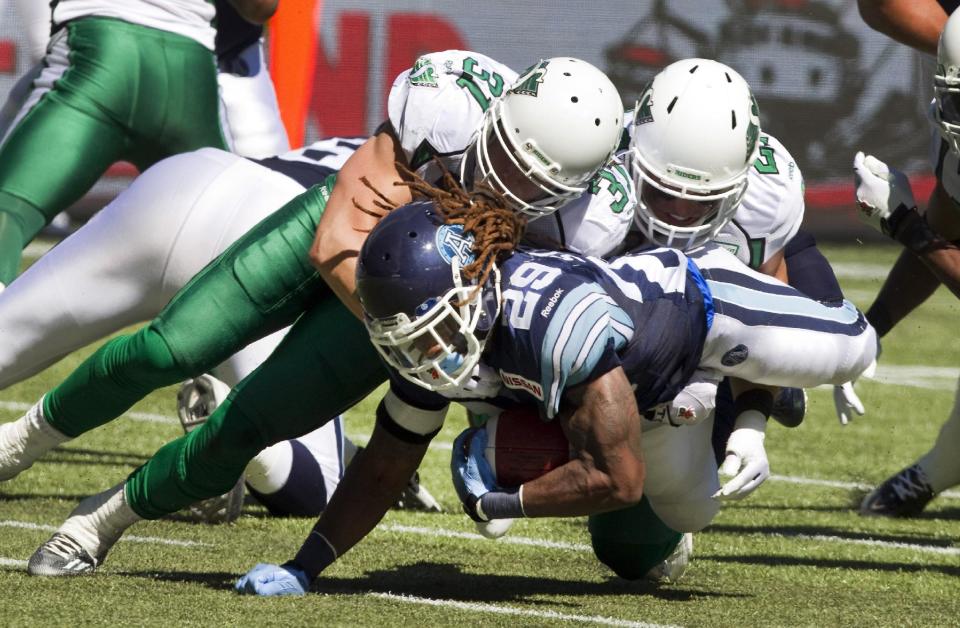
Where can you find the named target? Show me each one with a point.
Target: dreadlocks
(483, 212)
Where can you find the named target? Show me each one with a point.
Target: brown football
(522, 447)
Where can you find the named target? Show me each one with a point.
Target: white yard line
(475, 607)
(147, 417)
(26, 525)
(504, 540)
(856, 270)
(12, 562)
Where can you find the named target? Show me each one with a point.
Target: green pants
(262, 283)
(127, 92)
(632, 541)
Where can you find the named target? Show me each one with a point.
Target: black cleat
(905, 494)
(789, 407)
(416, 497)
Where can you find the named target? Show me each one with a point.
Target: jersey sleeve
(436, 106)
(580, 342)
(772, 208)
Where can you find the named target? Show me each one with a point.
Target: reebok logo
(552, 301)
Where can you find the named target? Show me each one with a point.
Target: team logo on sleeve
(423, 74)
(518, 382)
(453, 243)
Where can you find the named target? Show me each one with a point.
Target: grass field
(794, 554)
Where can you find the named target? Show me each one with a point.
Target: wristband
(501, 505)
(911, 230)
(315, 555)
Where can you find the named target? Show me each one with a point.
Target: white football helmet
(946, 83)
(694, 137)
(558, 124)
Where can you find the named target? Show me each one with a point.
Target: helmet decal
(644, 112)
(753, 127)
(452, 243)
(529, 82)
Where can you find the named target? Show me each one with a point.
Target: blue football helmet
(427, 320)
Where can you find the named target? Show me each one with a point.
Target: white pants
(766, 332)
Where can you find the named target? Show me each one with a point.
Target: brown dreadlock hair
(483, 212)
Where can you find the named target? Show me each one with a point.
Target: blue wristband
(502, 504)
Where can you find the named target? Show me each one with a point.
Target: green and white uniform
(132, 81)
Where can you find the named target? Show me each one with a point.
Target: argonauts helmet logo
(453, 243)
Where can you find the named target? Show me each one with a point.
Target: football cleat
(24, 440)
(675, 565)
(905, 494)
(789, 407)
(60, 556)
(416, 497)
(197, 399)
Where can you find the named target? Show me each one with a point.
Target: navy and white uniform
(661, 316)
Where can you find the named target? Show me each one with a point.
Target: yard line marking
(931, 549)
(149, 417)
(856, 270)
(12, 562)
(838, 484)
(477, 607)
(26, 525)
(508, 540)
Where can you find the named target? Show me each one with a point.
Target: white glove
(746, 458)
(845, 398)
(693, 404)
(483, 383)
(881, 190)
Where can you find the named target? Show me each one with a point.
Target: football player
(930, 254)
(592, 343)
(496, 130)
(113, 86)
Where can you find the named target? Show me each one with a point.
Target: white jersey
(437, 106)
(190, 18)
(772, 208)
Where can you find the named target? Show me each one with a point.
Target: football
(522, 447)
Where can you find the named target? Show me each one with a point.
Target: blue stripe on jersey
(698, 279)
(767, 303)
(728, 276)
(757, 309)
(584, 323)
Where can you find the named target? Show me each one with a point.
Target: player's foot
(674, 566)
(81, 544)
(196, 401)
(61, 556)
(25, 440)
(416, 497)
(905, 494)
(790, 406)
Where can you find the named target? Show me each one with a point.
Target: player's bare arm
(776, 267)
(606, 470)
(255, 11)
(916, 23)
(343, 226)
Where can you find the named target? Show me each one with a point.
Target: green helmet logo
(529, 82)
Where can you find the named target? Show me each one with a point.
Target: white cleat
(23, 441)
(674, 566)
(83, 541)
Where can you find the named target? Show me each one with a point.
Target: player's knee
(218, 451)
(303, 492)
(632, 560)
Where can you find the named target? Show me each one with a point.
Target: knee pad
(631, 541)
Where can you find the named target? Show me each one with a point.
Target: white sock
(942, 463)
(25, 440)
(269, 471)
(99, 521)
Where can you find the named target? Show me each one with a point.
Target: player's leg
(632, 541)
(57, 146)
(259, 285)
(305, 383)
(120, 268)
(907, 493)
(766, 332)
(250, 114)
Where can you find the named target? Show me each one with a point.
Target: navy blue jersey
(567, 320)
(949, 5)
(234, 34)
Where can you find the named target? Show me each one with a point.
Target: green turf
(791, 555)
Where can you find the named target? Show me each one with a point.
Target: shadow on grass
(79, 455)
(861, 565)
(448, 581)
(840, 533)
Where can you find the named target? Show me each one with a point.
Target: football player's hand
(483, 382)
(746, 458)
(846, 402)
(472, 476)
(884, 195)
(269, 580)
